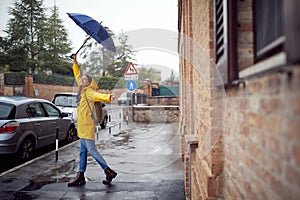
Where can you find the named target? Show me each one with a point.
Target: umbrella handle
(85, 41)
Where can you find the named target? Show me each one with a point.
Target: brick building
(240, 98)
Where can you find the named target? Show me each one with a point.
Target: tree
(148, 73)
(172, 79)
(27, 27)
(33, 41)
(97, 57)
(56, 45)
(104, 62)
(124, 55)
(56, 39)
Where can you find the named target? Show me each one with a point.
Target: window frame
(287, 46)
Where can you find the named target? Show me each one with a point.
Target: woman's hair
(80, 88)
(89, 78)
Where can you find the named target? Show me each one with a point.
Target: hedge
(18, 78)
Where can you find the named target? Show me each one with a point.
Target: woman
(87, 95)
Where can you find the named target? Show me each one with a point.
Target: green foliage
(101, 60)
(149, 73)
(111, 83)
(117, 69)
(123, 56)
(54, 80)
(34, 40)
(37, 43)
(26, 29)
(14, 78)
(56, 40)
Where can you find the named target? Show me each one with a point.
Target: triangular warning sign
(130, 70)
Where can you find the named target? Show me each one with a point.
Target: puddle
(36, 185)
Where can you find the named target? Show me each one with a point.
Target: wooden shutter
(225, 41)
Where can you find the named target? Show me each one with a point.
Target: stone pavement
(147, 158)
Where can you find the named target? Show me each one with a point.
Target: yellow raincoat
(85, 122)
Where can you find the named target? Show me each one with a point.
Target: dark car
(27, 124)
(66, 102)
(125, 98)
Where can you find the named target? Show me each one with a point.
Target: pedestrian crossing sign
(131, 73)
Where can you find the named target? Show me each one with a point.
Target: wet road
(8, 161)
(147, 157)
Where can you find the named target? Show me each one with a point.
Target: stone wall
(151, 114)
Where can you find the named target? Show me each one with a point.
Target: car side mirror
(64, 115)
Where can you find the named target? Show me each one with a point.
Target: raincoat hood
(93, 85)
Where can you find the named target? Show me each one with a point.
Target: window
(276, 28)
(268, 28)
(7, 111)
(65, 100)
(51, 110)
(34, 110)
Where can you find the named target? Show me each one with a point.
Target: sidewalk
(147, 158)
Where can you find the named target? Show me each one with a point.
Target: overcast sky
(126, 15)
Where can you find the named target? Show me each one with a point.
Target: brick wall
(44, 91)
(247, 135)
(261, 138)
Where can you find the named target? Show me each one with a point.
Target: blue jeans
(89, 146)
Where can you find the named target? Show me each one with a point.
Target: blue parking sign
(131, 85)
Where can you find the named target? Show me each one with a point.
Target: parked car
(125, 98)
(66, 102)
(27, 124)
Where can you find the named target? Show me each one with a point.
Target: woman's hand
(74, 57)
(112, 97)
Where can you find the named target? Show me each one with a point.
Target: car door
(54, 118)
(40, 122)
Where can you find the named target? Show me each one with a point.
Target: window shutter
(225, 42)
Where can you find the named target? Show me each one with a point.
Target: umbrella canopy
(94, 29)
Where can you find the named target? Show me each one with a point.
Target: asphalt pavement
(147, 157)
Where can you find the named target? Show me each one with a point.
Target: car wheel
(104, 122)
(26, 150)
(71, 134)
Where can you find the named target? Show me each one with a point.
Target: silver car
(27, 124)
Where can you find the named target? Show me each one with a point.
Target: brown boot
(78, 180)
(110, 174)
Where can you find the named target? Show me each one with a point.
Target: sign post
(131, 73)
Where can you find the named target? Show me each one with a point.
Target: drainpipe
(192, 143)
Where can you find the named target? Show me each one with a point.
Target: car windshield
(7, 111)
(65, 101)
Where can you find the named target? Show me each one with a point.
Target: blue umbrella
(94, 29)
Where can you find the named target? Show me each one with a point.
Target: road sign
(131, 73)
(131, 85)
